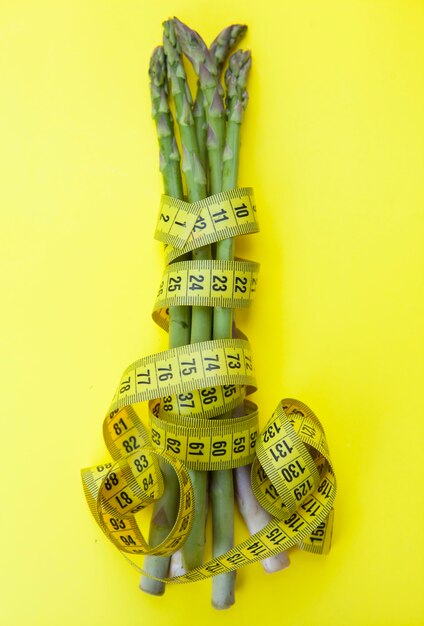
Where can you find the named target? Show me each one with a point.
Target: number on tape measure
(192, 225)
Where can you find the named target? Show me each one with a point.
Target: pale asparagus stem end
(150, 585)
(223, 596)
(176, 567)
(255, 516)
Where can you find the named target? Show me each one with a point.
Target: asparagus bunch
(209, 133)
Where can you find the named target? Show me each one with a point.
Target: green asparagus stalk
(200, 125)
(169, 156)
(201, 320)
(165, 509)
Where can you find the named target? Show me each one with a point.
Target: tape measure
(186, 389)
(185, 226)
(230, 284)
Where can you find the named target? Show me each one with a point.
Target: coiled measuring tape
(187, 388)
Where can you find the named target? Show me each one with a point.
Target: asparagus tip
(225, 41)
(193, 46)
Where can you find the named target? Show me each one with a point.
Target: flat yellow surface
(333, 143)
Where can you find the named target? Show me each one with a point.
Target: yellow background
(333, 143)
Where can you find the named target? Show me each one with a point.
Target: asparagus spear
(201, 321)
(204, 66)
(222, 496)
(165, 510)
(252, 512)
(219, 49)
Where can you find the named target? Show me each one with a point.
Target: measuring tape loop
(205, 379)
(185, 226)
(284, 473)
(211, 444)
(117, 491)
(230, 284)
(291, 442)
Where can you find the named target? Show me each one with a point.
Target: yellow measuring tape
(187, 388)
(185, 226)
(230, 284)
